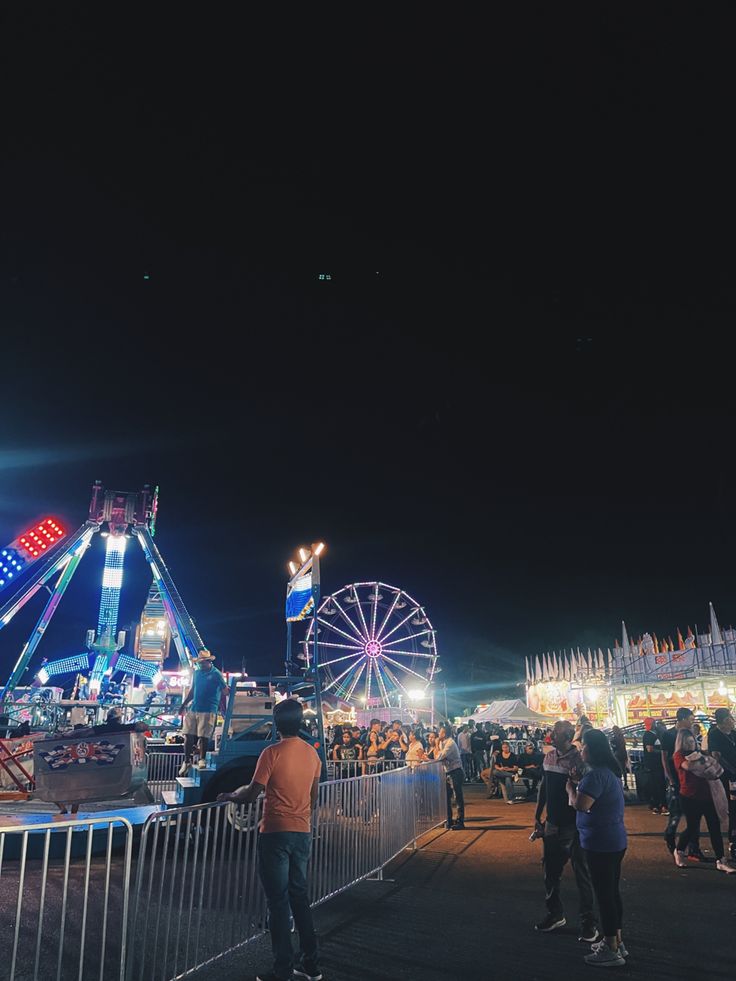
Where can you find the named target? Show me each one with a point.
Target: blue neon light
(112, 582)
(131, 665)
(65, 665)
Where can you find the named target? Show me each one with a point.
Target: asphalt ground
(464, 906)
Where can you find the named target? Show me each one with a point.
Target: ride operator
(199, 721)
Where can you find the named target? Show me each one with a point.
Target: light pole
(303, 596)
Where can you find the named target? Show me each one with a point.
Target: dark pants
(656, 785)
(731, 816)
(455, 786)
(675, 808)
(559, 848)
(694, 810)
(282, 863)
(605, 873)
(478, 762)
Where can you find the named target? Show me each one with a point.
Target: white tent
(513, 710)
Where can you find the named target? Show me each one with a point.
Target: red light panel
(39, 538)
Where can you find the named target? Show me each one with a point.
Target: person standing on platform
(722, 745)
(289, 773)
(446, 750)
(560, 836)
(199, 721)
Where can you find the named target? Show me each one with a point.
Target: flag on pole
(299, 598)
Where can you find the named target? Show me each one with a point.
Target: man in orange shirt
(289, 772)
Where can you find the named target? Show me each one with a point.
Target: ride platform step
(187, 791)
(203, 776)
(169, 798)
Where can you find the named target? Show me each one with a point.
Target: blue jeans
(283, 857)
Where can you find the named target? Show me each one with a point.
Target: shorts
(201, 724)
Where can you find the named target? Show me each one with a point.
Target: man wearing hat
(200, 720)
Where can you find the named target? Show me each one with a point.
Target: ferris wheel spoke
(356, 679)
(397, 627)
(346, 618)
(401, 640)
(368, 681)
(362, 617)
(339, 678)
(344, 647)
(391, 650)
(336, 660)
(382, 685)
(374, 612)
(394, 679)
(333, 626)
(403, 667)
(397, 597)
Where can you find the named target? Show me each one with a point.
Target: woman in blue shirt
(599, 802)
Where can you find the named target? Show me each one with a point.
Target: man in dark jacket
(722, 745)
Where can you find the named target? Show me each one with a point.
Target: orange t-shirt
(287, 770)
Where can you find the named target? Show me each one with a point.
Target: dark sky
(514, 396)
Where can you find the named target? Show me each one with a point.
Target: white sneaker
(680, 859)
(603, 956)
(601, 943)
(184, 769)
(725, 866)
(202, 764)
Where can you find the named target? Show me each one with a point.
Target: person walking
(289, 773)
(696, 798)
(598, 799)
(722, 744)
(199, 721)
(446, 750)
(561, 840)
(667, 737)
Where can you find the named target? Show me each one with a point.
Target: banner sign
(299, 598)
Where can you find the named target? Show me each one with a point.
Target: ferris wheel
(376, 645)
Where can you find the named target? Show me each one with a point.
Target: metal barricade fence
(344, 769)
(163, 769)
(197, 892)
(64, 896)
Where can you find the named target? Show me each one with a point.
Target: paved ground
(463, 906)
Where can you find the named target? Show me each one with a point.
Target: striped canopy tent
(512, 710)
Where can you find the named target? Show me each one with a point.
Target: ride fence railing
(197, 895)
(343, 769)
(76, 906)
(64, 900)
(163, 769)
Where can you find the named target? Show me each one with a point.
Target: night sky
(513, 398)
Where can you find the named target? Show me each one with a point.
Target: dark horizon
(512, 398)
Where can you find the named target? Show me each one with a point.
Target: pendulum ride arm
(50, 567)
(183, 630)
(66, 562)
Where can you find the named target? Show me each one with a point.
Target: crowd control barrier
(74, 907)
(64, 899)
(196, 892)
(163, 769)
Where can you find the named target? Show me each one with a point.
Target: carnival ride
(49, 555)
(378, 645)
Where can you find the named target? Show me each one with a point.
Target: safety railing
(64, 895)
(197, 895)
(163, 769)
(74, 909)
(344, 769)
